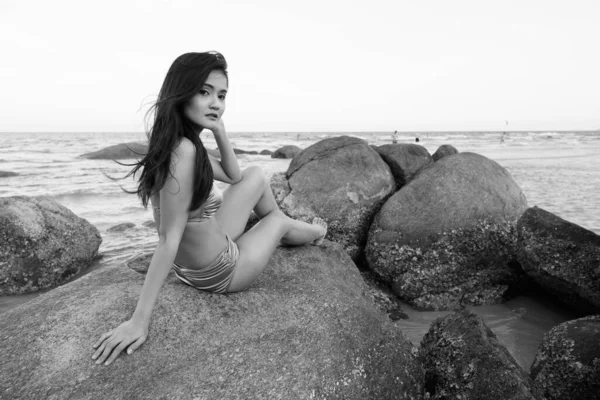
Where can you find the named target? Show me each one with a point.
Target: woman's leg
(258, 244)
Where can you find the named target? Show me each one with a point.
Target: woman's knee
(254, 175)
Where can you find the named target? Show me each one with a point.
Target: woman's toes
(320, 222)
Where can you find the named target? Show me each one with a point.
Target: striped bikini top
(208, 209)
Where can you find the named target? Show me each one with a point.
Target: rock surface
(448, 237)
(341, 180)
(42, 244)
(567, 364)
(121, 227)
(464, 360)
(405, 160)
(265, 152)
(562, 257)
(304, 330)
(289, 151)
(119, 152)
(443, 151)
(6, 174)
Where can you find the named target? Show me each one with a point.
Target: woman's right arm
(175, 198)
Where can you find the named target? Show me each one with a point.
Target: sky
(310, 65)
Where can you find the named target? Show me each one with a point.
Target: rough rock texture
(304, 330)
(562, 257)
(405, 160)
(289, 151)
(448, 237)
(5, 174)
(443, 151)
(119, 151)
(464, 360)
(341, 180)
(567, 364)
(42, 244)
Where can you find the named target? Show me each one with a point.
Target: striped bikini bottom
(217, 276)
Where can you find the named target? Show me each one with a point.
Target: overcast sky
(307, 65)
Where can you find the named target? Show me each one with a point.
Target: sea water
(557, 171)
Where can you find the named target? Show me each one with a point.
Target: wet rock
(42, 244)
(303, 330)
(448, 237)
(405, 160)
(121, 227)
(149, 224)
(464, 360)
(567, 364)
(119, 151)
(341, 180)
(289, 151)
(562, 257)
(443, 151)
(240, 151)
(5, 174)
(265, 152)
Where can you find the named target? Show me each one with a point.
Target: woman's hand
(110, 345)
(218, 128)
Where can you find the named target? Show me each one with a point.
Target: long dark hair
(185, 78)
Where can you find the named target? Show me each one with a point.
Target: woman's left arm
(227, 169)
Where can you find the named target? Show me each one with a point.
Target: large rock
(448, 237)
(444, 151)
(42, 244)
(135, 150)
(119, 151)
(405, 160)
(464, 360)
(341, 180)
(567, 364)
(304, 330)
(6, 174)
(289, 151)
(562, 257)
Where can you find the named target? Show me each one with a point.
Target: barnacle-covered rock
(448, 237)
(342, 180)
(405, 160)
(567, 364)
(561, 257)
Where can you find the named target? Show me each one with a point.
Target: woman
(201, 230)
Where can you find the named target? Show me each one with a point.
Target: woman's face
(208, 105)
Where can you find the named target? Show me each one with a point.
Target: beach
(557, 171)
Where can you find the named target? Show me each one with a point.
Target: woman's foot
(320, 222)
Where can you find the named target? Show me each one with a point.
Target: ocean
(557, 171)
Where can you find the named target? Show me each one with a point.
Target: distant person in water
(417, 139)
(395, 137)
(201, 230)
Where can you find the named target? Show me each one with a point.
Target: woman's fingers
(117, 350)
(136, 344)
(102, 338)
(110, 345)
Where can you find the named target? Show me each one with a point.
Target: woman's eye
(222, 97)
(203, 92)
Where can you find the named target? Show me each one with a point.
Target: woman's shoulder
(185, 148)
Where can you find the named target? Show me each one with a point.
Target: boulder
(448, 237)
(561, 257)
(119, 152)
(265, 152)
(341, 180)
(443, 151)
(5, 174)
(463, 359)
(130, 150)
(121, 227)
(42, 244)
(289, 151)
(240, 151)
(567, 364)
(303, 330)
(405, 160)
